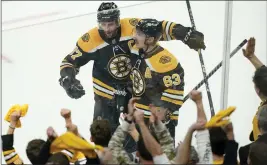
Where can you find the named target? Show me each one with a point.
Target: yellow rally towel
(74, 143)
(219, 119)
(17, 107)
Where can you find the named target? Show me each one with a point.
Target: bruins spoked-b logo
(133, 21)
(119, 66)
(165, 59)
(139, 84)
(86, 37)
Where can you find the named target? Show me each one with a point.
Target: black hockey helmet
(150, 27)
(108, 11)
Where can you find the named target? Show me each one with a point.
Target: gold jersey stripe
(12, 159)
(102, 94)
(173, 91)
(164, 24)
(171, 28)
(66, 66)
(174, 117)
(177, 102)
(98, 82)
(141, 106)
(5, 153)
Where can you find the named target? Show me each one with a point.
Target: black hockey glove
(194, 39)
(122, 97)
(72, 86)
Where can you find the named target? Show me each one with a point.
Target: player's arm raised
(69, 68)
(174, 31)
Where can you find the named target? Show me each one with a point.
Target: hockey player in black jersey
(107, 45)
(157, 76)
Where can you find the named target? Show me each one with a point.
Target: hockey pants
(106, 109)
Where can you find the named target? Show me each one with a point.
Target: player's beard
(111, 34)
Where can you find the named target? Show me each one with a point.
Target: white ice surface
(37, 51)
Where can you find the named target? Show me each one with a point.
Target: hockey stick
(217, 67)
(201, 60)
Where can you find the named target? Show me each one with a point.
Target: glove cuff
(180, 32)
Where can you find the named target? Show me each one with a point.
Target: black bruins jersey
(112, 57)
(158, 78)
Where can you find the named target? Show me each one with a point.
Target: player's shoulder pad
(162, 62)
(127, 26)
(90, 41)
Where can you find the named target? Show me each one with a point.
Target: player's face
(139, 38)
(109, 28)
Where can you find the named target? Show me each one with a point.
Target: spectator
(202, 136)
(262, 123)
(231, 148)
(258, 150)
(100, 135)
(38, 150)
(147, 141)
(223, 143)
(258, 154)
(100, 132)
(58, 159)
(260, 81)
(218, 141)
(9, 152)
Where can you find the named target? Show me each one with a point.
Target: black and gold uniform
(113, 61)
(158, 78)
(112, 65)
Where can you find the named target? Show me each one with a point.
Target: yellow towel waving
(72, 142)
(22, 108)
(220, 119)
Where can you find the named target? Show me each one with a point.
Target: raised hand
(250, 49)
(195, 95)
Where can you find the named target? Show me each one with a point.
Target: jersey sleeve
(10, 155)
(85, 50)
(169, 74)
(173, 31)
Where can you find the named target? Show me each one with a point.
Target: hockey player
(157, 76)
(107, 45)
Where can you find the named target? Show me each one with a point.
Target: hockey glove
(73, 87)
(194, 39)
(122, 97)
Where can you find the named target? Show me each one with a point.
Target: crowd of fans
(215, 140)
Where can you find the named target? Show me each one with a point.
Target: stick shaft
(217, 67)
(201, 61)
